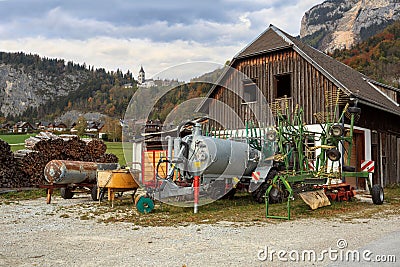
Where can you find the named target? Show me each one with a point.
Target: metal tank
(219, 156)
(70, 172)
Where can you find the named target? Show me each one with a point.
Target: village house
(57, 127)
(23, 127)
(51, 126)
(289, 72)
(42, 125)
(6, 128)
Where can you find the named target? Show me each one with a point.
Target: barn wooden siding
(308, 86)
(385, 143)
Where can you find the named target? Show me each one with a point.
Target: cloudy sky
(157, 34)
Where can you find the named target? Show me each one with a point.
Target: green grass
(23, 195)
(13, 139)
(116, 148)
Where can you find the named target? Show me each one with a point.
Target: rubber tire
(333, 154)
(66, 193)
(217, 192)
(271, 136)
(378, 195)
(348, 168)
(230, 194)
(275, 196)
(259, 194)
(339, 127)
(93, 193)
(355, 110)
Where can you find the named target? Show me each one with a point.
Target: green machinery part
(144, 204)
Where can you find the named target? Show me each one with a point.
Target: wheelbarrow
(119, 181)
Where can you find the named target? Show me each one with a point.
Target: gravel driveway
(36, 234)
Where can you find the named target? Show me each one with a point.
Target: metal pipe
(70, 172)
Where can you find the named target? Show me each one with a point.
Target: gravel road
(36, 234)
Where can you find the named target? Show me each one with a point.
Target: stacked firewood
(31, 162)
(10, 172)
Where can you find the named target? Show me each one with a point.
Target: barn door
(357, 154)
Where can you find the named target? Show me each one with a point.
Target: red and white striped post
(196, 185)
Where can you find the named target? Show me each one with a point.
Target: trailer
(272, 163)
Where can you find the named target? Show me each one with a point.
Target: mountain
(34, 88)
(338, 24)
(27, 81)
(377, 57)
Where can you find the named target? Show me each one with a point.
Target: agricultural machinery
(272, 163)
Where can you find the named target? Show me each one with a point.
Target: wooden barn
(287, 70)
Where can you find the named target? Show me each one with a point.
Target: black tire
(271, 136)
(275, 195)
(348, 168)
(333, 154)
(230, 194)
(336, 130)
(259, 194)
(93, 193)
(378, 195)
(217, 191)
(355, 110)
(66, 193)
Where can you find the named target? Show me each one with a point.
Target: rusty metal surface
(68, 172)
(116, 179)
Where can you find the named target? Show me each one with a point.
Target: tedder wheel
(337, 130)
(66, 193)
(271, 135)
(94, 193)
(259, 193)
(377, 194)
(346, 168)
(333, 154)
(275, 195)
(355, 110)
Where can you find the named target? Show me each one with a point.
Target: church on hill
(142, 82)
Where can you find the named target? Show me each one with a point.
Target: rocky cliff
(337, 24)
(20, 89)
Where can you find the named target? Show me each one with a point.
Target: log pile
(29, 163)
(10, 172)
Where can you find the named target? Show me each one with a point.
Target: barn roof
(352, 82)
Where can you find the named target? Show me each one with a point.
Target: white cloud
(87, 33)
(124, 54)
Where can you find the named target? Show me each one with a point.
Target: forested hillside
(378, 57)
(82, 87)
(97, 90)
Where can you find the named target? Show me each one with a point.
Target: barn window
(283, 85)
(250, 90)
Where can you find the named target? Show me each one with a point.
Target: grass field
(116, 148)
(16, 141)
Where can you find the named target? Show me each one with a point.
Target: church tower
(141, 77)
